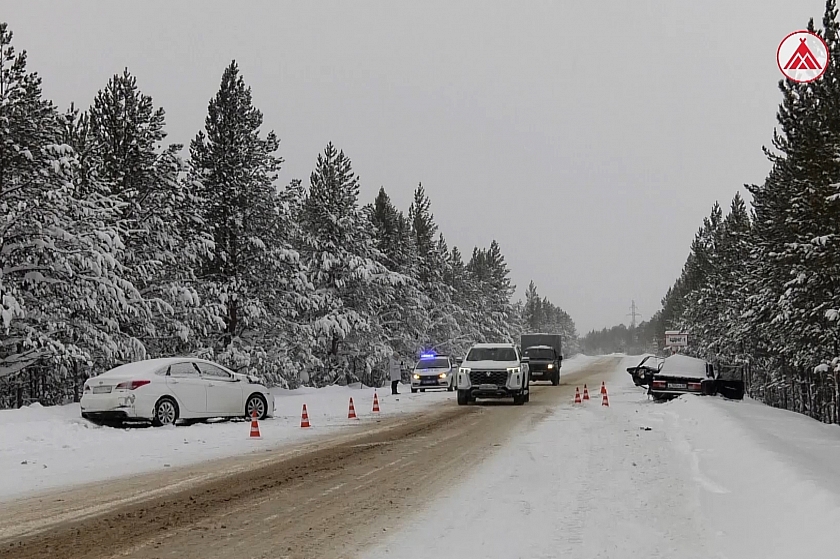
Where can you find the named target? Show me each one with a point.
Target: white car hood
(489, 365)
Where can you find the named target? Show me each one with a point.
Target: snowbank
(50, 447)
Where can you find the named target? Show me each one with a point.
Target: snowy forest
(115, 247)
(632, 340)
(761, 285)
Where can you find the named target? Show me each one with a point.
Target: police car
(434, 372)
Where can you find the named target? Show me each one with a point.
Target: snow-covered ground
(50, 447)
(45, 448)
(693, 478)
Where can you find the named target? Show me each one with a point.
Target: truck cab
(493, 371)
(544, 362)
(545, 356)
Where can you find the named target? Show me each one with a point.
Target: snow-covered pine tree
(442, 328)
(532, 310)
(343, 265)
(494, 314)
(500, 294)
(163, 232)
(793, 273)
(458, 278)
(61, 284)
(405, 317)
(253, 279)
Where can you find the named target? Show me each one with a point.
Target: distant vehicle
(680, 374)
(493, 371)
(643, 372)
(545, 354)
(162, 391)
(433, 372)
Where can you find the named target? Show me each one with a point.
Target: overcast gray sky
(589, 138)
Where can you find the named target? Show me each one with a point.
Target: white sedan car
(165, 390)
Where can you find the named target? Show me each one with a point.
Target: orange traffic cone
(585, 393)
(304, 418)
(577, 395)
(255, 426)
(375, 403)
(605, 399)
(351, 413)
(603, 388)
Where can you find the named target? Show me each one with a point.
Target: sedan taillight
(659, 384)
(694, 386)
(132, 384)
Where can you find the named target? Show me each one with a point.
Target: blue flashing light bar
(427, 356)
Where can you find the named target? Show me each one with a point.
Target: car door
(184, 381)
(224, 391)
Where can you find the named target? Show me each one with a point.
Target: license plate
(679, 386)
(101, 389)
(428, 381)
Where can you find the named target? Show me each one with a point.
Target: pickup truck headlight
(463, 378)
(514, 370)
(551, 365)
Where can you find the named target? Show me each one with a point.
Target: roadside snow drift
(698, 477)
(50, 447)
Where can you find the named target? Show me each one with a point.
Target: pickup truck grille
(499, 378)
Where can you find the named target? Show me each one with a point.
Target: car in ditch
(642, 373)
(680, 374)
(164, 391)
(433, 372)
(493, 371)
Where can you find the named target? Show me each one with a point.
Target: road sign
(802, 56)
(675, 338)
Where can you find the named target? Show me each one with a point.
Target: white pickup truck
(493, 371)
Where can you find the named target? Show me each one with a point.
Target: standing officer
(395, 371)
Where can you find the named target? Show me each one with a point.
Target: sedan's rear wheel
(166, 412)
(256, 402)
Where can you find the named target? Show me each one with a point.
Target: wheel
(555, 379)
(528, 396)
(422, 390)
(463, 397)
(413, 390)
(518, 399)
(166, 412)
(256, 402)
(451, 387)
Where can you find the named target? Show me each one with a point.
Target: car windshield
(435, 363)
(492, 354)
(539, 353)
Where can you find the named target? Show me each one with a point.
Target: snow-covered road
(693, 478)
(44, 448)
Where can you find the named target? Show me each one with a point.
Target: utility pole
(633, 314)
